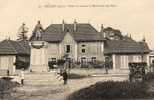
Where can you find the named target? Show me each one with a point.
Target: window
(68, 48)
(53, 59)
(137, 58)
(83, 50)
(83, 60)
(83, 45)
(93, 59)
(153, 61)
(124, 61)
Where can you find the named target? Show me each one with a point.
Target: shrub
(97, 64)
(111, 90)
(60, 62)
(149, 76)
(5, 86)
(51, 64)
(22, 64)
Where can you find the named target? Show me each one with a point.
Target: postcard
(76, 49)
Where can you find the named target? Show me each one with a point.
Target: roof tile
(13, 47)
(83, 32)
(125, 46)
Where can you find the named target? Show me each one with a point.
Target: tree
(22, 33)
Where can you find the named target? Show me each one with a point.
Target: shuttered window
(124, 61)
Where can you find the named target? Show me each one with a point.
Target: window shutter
(64, 48)
(71, 48)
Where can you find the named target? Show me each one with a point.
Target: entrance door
(83, 62)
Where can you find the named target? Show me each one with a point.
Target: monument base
(39, 56)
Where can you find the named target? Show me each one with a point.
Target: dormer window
(111, 34)
(83, 45)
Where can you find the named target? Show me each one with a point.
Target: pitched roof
(80, 28)
(9, 47)
(125, 46)
(83, 32)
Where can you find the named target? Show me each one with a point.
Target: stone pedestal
(38, 58)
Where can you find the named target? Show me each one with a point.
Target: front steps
(42, 78)
(52, 78)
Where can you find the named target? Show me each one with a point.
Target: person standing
(65, 77)
(106, 68)
(107, 64)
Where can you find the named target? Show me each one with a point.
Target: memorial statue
(38, 31)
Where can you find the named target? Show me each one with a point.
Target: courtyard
(79, 78)
(58, 91)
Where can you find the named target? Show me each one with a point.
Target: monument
(38, 58)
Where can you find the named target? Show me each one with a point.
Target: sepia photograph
(76, 50)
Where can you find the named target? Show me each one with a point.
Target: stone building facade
(75, 51)
(13, 55)
(80, 42)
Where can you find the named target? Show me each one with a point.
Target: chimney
(143, 40)
(75, 24)
(102, 31)
(63, 25)
(102, 28)
(130, 36)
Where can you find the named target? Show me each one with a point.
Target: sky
(133, 17)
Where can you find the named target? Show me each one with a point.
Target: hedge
(112, 90)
